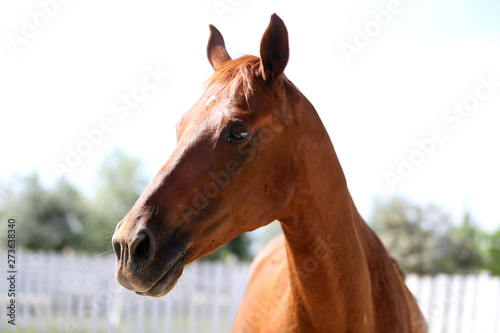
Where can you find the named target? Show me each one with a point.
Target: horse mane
(240, 72)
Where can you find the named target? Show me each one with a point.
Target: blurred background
(409, 92)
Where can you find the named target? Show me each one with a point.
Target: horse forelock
(239, 75)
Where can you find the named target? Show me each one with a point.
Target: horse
(250, 151)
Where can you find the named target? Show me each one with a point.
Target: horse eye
(238, 134)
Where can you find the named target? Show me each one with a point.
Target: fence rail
(78, 293)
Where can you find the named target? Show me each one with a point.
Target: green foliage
(492, 253)
(45, 219)
(61, 217)
(119, 183)
(424, 241)
(238, 247)
(465, 247)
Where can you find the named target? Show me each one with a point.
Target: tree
(423, 240)
(61, 217)
(120, 182)
(238, 247)
(462, 250)
(492, 253)
(46, 219)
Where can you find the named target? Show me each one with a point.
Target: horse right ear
(216, 49)
(274, 50)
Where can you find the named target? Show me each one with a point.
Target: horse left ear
(216, 48)
(274, 50)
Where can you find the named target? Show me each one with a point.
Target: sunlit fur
(237, 73)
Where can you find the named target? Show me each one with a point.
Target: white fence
(58, 293)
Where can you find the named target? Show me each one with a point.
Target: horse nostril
(117, 247)
(140, 248)
(143, 248)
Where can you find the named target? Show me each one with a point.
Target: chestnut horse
(253, 150)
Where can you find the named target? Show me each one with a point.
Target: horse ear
(216, 49)
(274, 50)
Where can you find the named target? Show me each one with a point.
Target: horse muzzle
(145, 267)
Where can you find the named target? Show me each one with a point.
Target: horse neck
(324, 233)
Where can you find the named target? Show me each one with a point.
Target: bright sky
(381, 74)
